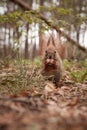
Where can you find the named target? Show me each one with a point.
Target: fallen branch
(25, 6)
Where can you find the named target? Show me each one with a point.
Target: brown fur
(51, 66)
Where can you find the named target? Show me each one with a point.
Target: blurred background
(25, 26)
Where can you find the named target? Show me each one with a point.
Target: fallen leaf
(74, 101)
(61, 92)
(65, 88)
(49, 87)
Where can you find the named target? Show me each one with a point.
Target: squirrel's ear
(53, 42)
(48, 43)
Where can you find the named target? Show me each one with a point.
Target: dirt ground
(64, 108)
(47, 108)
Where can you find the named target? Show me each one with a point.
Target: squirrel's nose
(50, 57)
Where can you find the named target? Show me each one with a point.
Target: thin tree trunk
(26, 43)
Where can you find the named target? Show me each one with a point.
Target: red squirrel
(51, 66)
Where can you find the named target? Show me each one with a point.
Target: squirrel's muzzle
(49, 61)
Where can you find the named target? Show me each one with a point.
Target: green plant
(77, 70)
(79, 76)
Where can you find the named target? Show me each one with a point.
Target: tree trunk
(26, 43)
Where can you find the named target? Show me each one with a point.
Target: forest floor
(29, 102)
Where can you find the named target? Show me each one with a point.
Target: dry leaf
(49, 87)
(61, 92)
(74, 101)
(65, 88)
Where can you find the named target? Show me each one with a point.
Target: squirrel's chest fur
(50, 69)
(52, 72)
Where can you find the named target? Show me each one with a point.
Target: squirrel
(51, 66)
